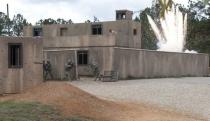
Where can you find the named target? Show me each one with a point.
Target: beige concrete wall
(28, 31)
(122, 30)
(103, 56)
(58, 60)
(16, 80)
(79, 41)
(132, 63)
(135, 40)
(72, 29)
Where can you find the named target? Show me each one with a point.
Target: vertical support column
(8, 27)
(76, 65)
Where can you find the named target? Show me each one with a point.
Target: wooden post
(8, 27)
(76, 65)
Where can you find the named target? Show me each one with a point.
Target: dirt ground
(72, 101)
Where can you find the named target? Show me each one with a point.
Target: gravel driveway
(191, 95)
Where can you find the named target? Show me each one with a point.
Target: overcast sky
(77, 10)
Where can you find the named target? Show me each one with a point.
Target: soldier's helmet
(69, 61)
(48, 62)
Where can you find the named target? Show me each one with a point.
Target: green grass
(22, 111)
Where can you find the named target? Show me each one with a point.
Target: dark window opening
(15, 57)
(63, 31)
(134, 31)
(82, 57)
(97, 29)
(37, 32)
(121, 16)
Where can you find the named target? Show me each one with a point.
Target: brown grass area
(72, 101)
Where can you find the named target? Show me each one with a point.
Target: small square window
(121, 16)
(15, 57)
(63, 31)
(37, 31)
(97, 29)
(134, 31)
(82, 57)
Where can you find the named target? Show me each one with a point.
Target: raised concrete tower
(124, 15)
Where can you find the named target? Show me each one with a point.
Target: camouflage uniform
(68, 69)
(95, 69)
(47, 70)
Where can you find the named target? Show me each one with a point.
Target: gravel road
(187, 95)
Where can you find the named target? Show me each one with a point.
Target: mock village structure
(112, 46)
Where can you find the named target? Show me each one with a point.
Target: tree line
(14, 26)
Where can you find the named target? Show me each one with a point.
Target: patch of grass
(24, 111)
(77, 119)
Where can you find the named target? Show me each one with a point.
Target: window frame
(62, 29)
(98, 29)
(81, 55)
(10, 56)
(121, 15)
(135, 32)
(38, 29)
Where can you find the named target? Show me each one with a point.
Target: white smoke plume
(172, 31)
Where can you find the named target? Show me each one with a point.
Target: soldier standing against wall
(47, 70)
(95, 69)
(68, 67)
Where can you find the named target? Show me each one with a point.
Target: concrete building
(120, 33)
(114, 46)
(20, 63)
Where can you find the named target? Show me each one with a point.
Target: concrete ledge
(135, 49)
(80, 41)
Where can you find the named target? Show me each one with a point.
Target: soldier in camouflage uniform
(68, 69)
(47, 70)
(95, 69)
